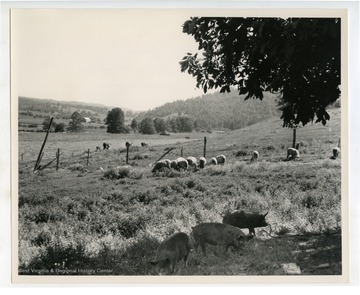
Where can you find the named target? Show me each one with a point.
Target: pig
(215, 233)
(170, 251)
(243, 219)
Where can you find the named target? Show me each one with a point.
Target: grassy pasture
(110, 217)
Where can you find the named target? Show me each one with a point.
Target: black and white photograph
(162, 144)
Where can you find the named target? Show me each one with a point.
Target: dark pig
(214, 233)
(170, 251)
(243, 219)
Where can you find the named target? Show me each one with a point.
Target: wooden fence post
(57, 159)
(22, 157)
(127, 152)
(205, 147)
(168, 151)
(42, 147)
(182, 153)
(88, 156)
(339, 143)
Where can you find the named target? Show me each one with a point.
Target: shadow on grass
(69, 260)
(313, 254)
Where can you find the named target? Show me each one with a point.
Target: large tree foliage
(147, 126)
(75, 123)
(115, 120)
(160, 125)
(299, 58)
(46, 124)
(134, 125)
(181, 124)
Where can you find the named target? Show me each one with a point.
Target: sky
(122, 58)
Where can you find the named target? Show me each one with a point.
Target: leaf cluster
(299, 58)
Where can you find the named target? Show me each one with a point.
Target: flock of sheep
(184, 164)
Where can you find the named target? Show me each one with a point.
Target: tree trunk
(205, 147)
(294, 138)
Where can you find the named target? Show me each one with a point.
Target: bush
(129, 224)
(241, 154)
(45, 215)
(60, 127)
(270, 148)
(137, 156)
(145, 197)
(117, 173)
(58, 256)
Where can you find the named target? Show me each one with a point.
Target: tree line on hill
(214, 111)
(211, 111)
(43, 108)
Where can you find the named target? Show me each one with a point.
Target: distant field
(111, 216)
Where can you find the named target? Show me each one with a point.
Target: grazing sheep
(192, 161)
(292, 154)
(173, 164)
(97, 148)
(144, 144)
(161, 165)
(106, 146)
(182, 163)
(167, 161)
(255, 156)
(221, 160)
(336, 152)
(213, 161)
(202, 162)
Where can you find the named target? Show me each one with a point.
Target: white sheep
(213, 161)
(192, 161)
(336, 152)
(255, 156)
(221, 159)
(182, 163)
(202, 162)
(292, 154)
(161, 165)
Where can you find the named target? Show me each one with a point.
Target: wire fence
(63, 158)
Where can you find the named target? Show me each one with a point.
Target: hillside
(32, 112)
(36, 107)
(218, 110)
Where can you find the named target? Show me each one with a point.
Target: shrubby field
(110, 217)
